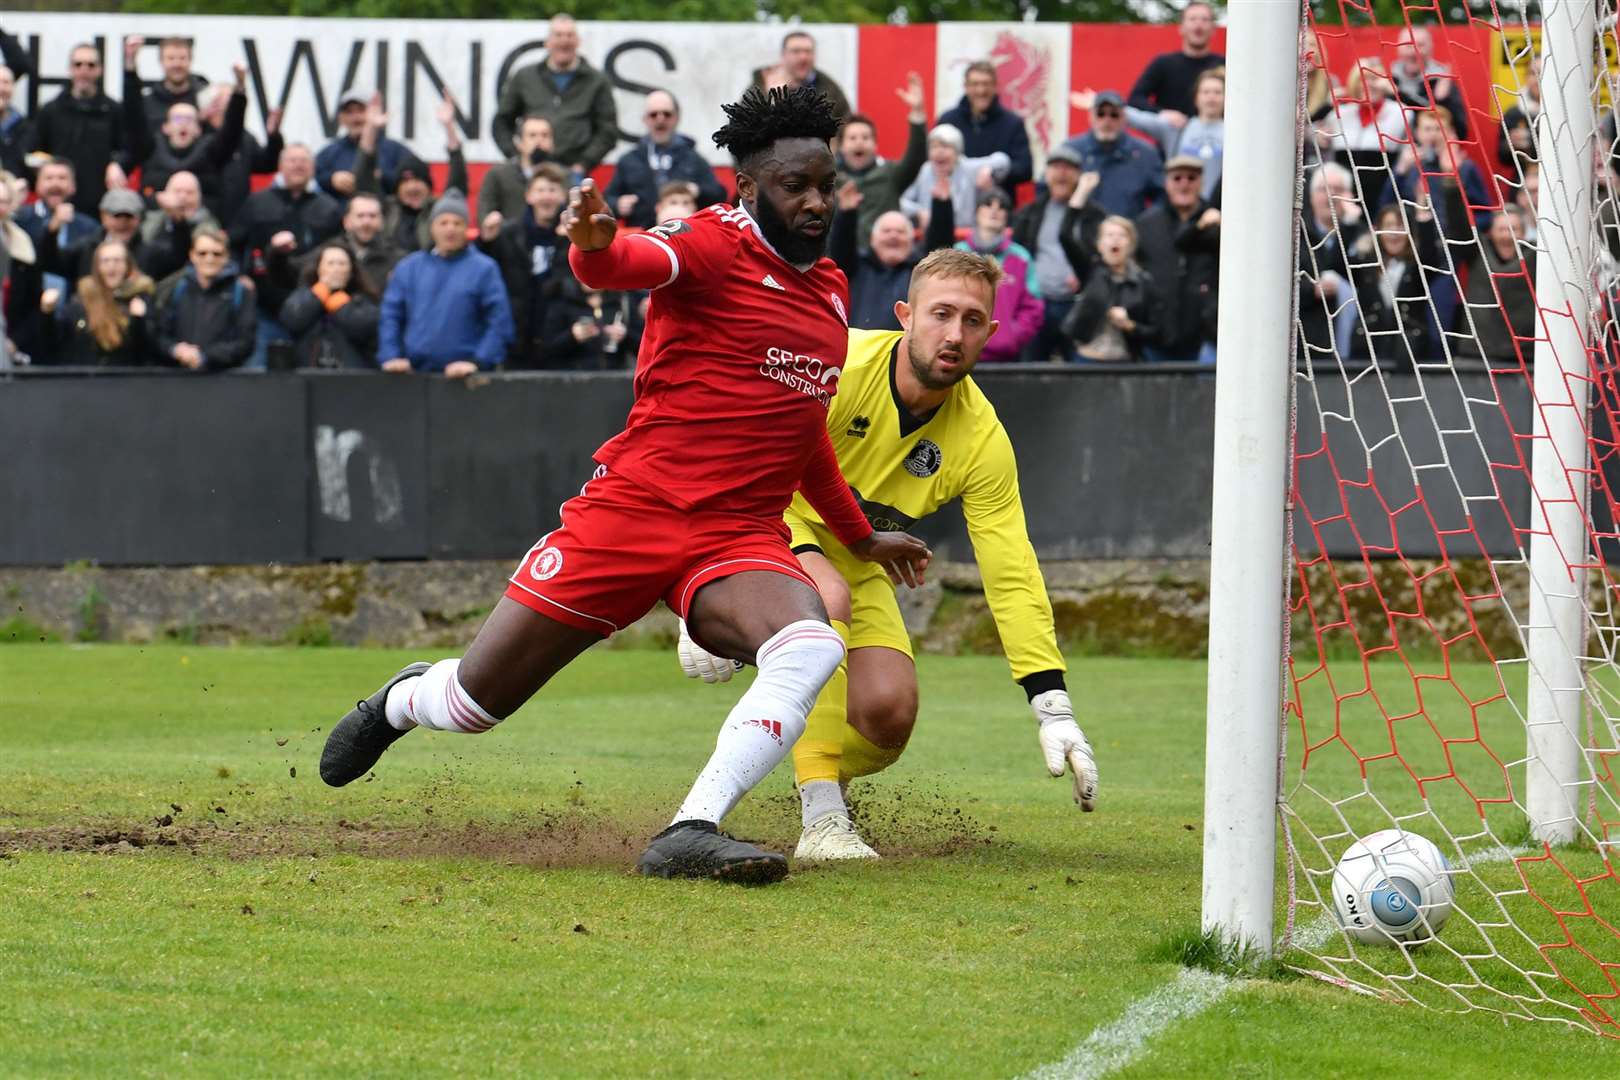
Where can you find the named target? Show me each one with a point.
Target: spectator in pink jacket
(1018, 299)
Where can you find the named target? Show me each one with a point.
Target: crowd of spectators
(155, 228)
(1410, 253)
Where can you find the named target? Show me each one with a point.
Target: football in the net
(1393, 886)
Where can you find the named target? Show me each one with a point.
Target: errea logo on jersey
(809, 375)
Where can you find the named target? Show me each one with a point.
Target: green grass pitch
(180, 895)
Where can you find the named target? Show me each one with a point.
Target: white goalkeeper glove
(700, 663)
(1064, 744)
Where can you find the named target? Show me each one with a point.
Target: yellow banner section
(1514, 49)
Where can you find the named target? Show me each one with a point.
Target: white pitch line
(1116, 1045)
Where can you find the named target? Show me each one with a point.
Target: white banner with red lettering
(303, 65)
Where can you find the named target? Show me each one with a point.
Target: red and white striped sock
(794, 664)
(435, 699)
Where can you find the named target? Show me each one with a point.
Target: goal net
(1454, 595)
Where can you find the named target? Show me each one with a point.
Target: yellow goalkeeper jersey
(902, 469)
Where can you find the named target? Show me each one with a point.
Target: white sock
(435, 699)
(793, 667)
(820, 798)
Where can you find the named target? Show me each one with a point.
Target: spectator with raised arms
(881, 182)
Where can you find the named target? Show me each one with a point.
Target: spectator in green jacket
(880, 182)
(568, 91)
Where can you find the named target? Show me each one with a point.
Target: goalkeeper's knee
(863, 757)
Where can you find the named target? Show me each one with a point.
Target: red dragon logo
(1022, 73)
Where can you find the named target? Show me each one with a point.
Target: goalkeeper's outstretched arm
(1016, 591)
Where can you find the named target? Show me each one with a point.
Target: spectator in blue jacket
(988, 127)
(445, 309)
(1131, 170)
(659, 157)
(334, 165)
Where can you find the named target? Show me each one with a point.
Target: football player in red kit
(745, 340)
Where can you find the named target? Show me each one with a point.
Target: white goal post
(1248, 527)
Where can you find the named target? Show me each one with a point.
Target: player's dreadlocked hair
(761, 117)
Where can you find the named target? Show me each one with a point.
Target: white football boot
(830, 837)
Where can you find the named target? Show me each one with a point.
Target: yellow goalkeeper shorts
(874, 610)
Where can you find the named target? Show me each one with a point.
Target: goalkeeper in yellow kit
(912, 432)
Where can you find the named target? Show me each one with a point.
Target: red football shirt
(739, 360)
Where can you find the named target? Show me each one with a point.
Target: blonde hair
(954, 263)
(1124, 223)
(105, 316)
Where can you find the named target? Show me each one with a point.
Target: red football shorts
(621, 549)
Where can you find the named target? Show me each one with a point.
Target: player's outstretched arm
(602, 259)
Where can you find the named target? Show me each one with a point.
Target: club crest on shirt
(858, 427)
(924, 459)
(546, 564)
(839, 306)
(671, 229)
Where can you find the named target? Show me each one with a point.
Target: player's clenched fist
(904, 556)
(590, 226)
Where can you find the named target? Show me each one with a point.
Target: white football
(1393, 886)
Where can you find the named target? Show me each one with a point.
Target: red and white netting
(1458, 292)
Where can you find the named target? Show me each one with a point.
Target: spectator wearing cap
(405, 212)
(568, 91)
(880, 182)
(445, 309)
(1179, 245)
(335, 164)
(880, 274)
(1130, 171)
(989, 127)
(1166, 85)
(659, 157)
(104, 139)
(503, 188)
(1203, 136)
(1048, 228)
(1018, 298)
(121, 213)
(289, 218)
(966, 176)
(797, 67)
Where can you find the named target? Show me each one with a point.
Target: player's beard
(922, 368)
(797, 249)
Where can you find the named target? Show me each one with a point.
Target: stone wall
(1115, 607)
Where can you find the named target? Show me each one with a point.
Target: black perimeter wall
(172, 469)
